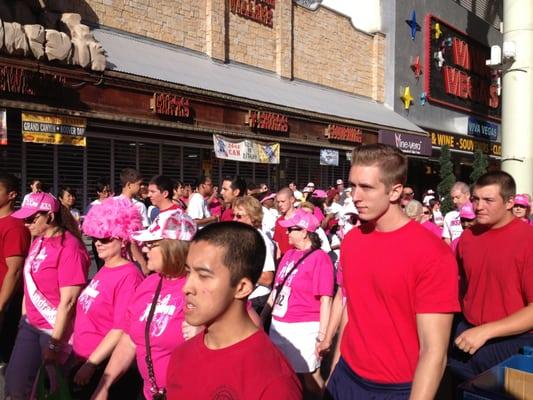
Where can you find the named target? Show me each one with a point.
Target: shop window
(192, 164)
(148, 160)
(172, 161)
(70, 170)
(98, 164)
(40, 164)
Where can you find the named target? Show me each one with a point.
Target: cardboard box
(518, 384)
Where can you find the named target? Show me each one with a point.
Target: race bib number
(280, 308)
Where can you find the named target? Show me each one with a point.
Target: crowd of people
(356, 292)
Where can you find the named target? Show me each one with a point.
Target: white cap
(340, 182)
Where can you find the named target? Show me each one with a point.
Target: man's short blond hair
(391, 162)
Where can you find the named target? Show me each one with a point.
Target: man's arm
(11, 279)
(433, 335)
(519, 322)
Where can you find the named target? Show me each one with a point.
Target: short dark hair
(237, 182)
(201, 180)
(10, 182)
(164, 183)
(102, 183)
(244, 248)
(66, 189)
(129, 175)
(505, 181)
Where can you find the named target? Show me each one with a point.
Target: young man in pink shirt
(232, 358)
(496, 264)
(401, 290)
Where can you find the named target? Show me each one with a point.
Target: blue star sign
(413, 25)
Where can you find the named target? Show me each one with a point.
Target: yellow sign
(465, 143)
(53, 129)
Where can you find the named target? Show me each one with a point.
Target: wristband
(55, 347)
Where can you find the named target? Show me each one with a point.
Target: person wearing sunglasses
(301, 300)
(154, 322)
(249, 211)
(103, 303)
(55, 272)
(522, 207)
(427, 221)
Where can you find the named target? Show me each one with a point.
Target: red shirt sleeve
(16, 241)
(284, 387)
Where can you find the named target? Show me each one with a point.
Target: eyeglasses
(106, 240)
(33, 219)
(151, 245)
(293, 228)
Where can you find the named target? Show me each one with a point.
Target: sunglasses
(427, 212)
(293, 228)
(33, 219)
(106, 240)
(239, 216)
(151, 245)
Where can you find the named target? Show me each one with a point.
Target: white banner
(246, 150)
(329, 157)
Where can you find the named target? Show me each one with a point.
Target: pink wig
(116, 217)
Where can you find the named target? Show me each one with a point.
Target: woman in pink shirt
(103, 303)
(301, 300)
(55, 271)
(156, 309)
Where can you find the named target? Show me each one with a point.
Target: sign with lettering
(53, 129)
(3, 127)
(267, 121)
(20, 81)
(482, 129)
(309, 4)
(408, 143)
(261, 11)
(170, 105)
(465, 143)
(344, 133)
(246, 150)
(457, 76)
(329, 157)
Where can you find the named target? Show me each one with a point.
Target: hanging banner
(246, 150)
(329, 157)
(53, 129)
(3, 127)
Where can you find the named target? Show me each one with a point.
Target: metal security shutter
(192, 164)
(172, 161)
(98, 164)
(216, 170)
(148, 160)
(289, 171)
(246, 171)
(490, 11)
(70, 170)
(274, 174)
(304, 174)
(125, 157)
(261, 174)
(314, 172)
(40, 164)
(228, 169)
(11, 155)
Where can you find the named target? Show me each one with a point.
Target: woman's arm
(325, 310)
(334, 321)
(101, 353)
(121, 359)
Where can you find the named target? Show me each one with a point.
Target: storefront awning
(156, 60)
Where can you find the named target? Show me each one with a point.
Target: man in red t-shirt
(496, 264)
(231, 189)
(401, 290)
(14, 245)
(232, 358)
(285, 204)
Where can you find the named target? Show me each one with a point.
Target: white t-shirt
(325, 241)
(270, 215)
(268, 266)
(334, 208)
(142, 209)
(452, 228)
(198, 208)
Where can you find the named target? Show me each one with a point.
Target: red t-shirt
(281, 236)
(497, 268)
(227, 215)
(389, 278)
(253, 369)
(14, 241)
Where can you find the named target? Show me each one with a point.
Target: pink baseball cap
(269, 197)
(37, 202)
(467, 211)
(521, 200)
(303, 220)
(173, 224)
(320, 194)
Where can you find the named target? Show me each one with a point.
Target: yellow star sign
(407, 98)
(438, 31)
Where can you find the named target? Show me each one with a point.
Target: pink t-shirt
(166, 327)
(55, 262)
(299, 300)
(102, 305)
(318, 214)
(433, 228)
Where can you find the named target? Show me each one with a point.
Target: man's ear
(12, 195)
(395, 192)
(509, 204)
(243, 289)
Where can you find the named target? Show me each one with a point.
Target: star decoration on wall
(413, 25)
(407, 98)
(447, 42)
(438, 56)
(437, 30)
(416, 67)
(423, 98)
